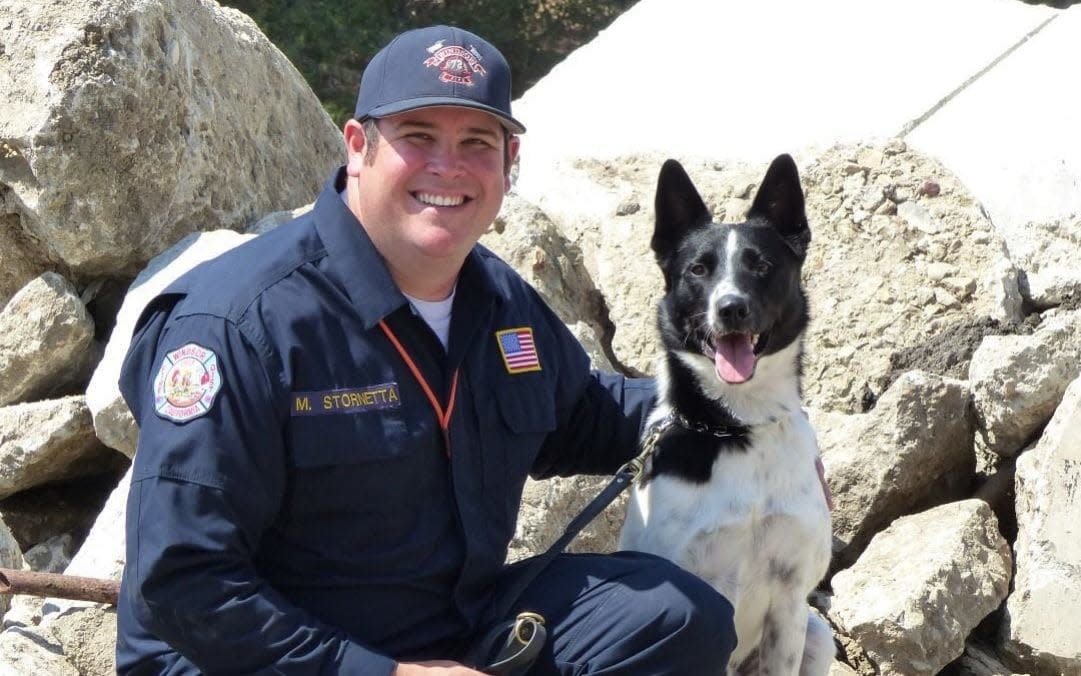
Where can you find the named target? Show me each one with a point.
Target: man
(337, 419)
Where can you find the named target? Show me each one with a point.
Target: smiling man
(337, 419)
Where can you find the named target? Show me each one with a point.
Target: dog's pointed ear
(678, 208)
(780, 201)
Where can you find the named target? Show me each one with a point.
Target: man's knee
(632, 613)
(675, 623)
(701, 619)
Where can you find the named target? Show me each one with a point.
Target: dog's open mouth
(735, 356)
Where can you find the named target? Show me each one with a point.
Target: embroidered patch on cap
(456, 64)
(518, 350)
(187, 383)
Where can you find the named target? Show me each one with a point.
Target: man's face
(434, 185)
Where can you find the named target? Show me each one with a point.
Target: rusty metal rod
(55, 585)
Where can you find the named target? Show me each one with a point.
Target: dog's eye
(755, 263)
(698, 270)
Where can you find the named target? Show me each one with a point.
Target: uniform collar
(356, 266)
(474, 299)
(353, 262)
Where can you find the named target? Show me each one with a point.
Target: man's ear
(513, 144)
(355, 146)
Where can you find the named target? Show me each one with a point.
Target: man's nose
(445, 159)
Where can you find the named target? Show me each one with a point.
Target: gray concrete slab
(742, 80)
(1013, 137)
(733, 77)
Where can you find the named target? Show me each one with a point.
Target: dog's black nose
(732, 309)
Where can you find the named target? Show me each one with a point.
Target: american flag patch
(518, 350)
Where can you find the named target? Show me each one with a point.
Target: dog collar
(692, 426)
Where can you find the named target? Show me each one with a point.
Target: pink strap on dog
(821, 469)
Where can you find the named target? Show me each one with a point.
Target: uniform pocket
(526, 410)
(360, 473)
(327, 441)
(516, 422)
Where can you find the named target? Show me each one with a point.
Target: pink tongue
(734, 358)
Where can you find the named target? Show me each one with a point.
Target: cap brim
(396, 107)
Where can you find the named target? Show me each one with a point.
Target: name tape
(347, 400)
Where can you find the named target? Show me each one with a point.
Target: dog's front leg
(819, 650)
(783, 634)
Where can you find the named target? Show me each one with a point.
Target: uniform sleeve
(205, 486)
(599, 416)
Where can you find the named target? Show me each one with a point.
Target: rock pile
(942, 368)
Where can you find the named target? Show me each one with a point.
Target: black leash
(516, 643)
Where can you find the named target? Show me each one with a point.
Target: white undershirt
(436, 314)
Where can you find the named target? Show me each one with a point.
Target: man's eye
(698, 270)
(478, 143)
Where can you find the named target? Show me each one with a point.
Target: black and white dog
(732, 492)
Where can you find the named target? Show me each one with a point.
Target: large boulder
(128, 124)
(1041, 626)
(912, 613)
(45, 336)
(45, 441)
(1018, 380)
(913, 450)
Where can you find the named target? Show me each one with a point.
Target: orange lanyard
(442, 416)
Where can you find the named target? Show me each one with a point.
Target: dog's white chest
(758, 528)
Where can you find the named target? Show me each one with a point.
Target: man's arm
(601, 429)
(205, 486)
(600, 416)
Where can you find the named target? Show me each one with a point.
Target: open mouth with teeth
(440, 200)
(734, 355)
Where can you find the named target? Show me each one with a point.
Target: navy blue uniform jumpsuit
(304, 512)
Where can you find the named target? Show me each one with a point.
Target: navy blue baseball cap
(436, 66)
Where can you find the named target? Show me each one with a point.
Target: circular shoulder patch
(187, 383)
